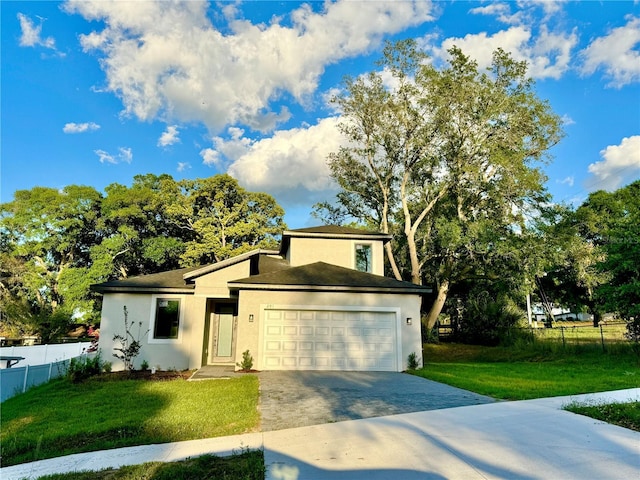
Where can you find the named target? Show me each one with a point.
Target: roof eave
(134, 289)
(330, 288)
(227, 263)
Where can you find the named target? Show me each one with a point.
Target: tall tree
(444, 153)
(47, 234)
(222, 219)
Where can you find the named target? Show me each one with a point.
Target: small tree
(129, 344)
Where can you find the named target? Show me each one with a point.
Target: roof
(323, 276)
(182, 280)
(331, 231)
(164, 282)
(198, 272)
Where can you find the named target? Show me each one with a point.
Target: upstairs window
(167, 321)
(364, 257)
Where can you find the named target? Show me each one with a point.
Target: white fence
(42, 363)
(41, 354)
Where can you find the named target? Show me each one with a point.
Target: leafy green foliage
(247, 361)
(412, 361)
(448, 161)
(54, 244)
(626, 415)
(82, 368)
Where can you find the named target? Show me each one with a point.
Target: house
(321, 302)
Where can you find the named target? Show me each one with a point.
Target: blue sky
(95, 92)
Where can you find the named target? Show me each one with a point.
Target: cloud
(567, 181)
(182, 166)
(80, 127)
(124, 155)
(291, 165)
(621, 164)
(31, 34)
(616, 54)
(169, 136)
(167, 60)
(547, 54)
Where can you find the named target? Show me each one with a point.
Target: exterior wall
(214, 284)
(303, 251)
(254, 302)
(167, 354)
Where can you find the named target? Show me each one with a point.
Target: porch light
(251, 317)
(409, 320)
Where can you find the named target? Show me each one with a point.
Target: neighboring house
(319, 303)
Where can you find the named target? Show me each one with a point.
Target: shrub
(247, 361)
(130, 345)
(144, 365)
(82, 368)
(412, 361)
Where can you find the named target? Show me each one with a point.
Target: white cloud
(567, 120)
(547, 55)
(165, 59)
(620, 164)
(616, 54)
(31, 34)
(124, 155)
(567, 181)
(80, 127)
(182, 166)
(502, 11)
(169, 136)
(292, 164)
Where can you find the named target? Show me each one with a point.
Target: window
(167, 318)
(363, 257)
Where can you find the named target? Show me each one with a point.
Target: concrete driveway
(297, 399)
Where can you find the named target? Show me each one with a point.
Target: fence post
(602, 338)
(562, 333)
(26, 375)
(50, 367)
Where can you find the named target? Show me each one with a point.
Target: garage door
(329, 340)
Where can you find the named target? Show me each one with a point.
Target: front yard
(61, 418)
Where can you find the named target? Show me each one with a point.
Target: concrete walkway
(531, 439)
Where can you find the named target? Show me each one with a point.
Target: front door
(223, 333)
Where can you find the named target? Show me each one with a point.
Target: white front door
(223, 334)
(329, 340)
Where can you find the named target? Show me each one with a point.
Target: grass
(533, 372)
(60, 418)
(624, 414)
(248, 465)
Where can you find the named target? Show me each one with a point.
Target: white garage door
(329, 340)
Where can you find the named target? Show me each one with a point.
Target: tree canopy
(446, 159)
(55, 243)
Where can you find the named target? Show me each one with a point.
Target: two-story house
(321, 302)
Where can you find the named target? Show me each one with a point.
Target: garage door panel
(329, 340)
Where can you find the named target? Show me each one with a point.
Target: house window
(363, 257)
(167, 318)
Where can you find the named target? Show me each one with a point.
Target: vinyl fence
(19, 379)
(41, 354)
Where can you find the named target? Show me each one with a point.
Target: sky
(96, 92)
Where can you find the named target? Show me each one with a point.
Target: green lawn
(518, 374)
(243, 466)
(61, 418)
(624, 414)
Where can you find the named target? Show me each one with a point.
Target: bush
(130, 345)
(84, 367)
(247, 361)
(412, 361)
(487, 321)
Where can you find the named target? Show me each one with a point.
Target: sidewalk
(531, 439)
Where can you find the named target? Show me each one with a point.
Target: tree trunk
(392, 261)
(436, 308)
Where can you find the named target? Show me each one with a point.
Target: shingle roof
(167, 282)
(326, 277)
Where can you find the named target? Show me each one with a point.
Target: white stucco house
(321, 302)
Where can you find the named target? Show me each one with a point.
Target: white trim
(152, 320)
(338, 308)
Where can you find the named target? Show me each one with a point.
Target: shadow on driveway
(290, 399)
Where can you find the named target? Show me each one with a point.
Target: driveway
(291, 399)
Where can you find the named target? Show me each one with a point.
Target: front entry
(221, 330)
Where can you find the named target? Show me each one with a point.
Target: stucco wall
(303, 251)
(214, 284)
(254, 302)
(168, 354)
